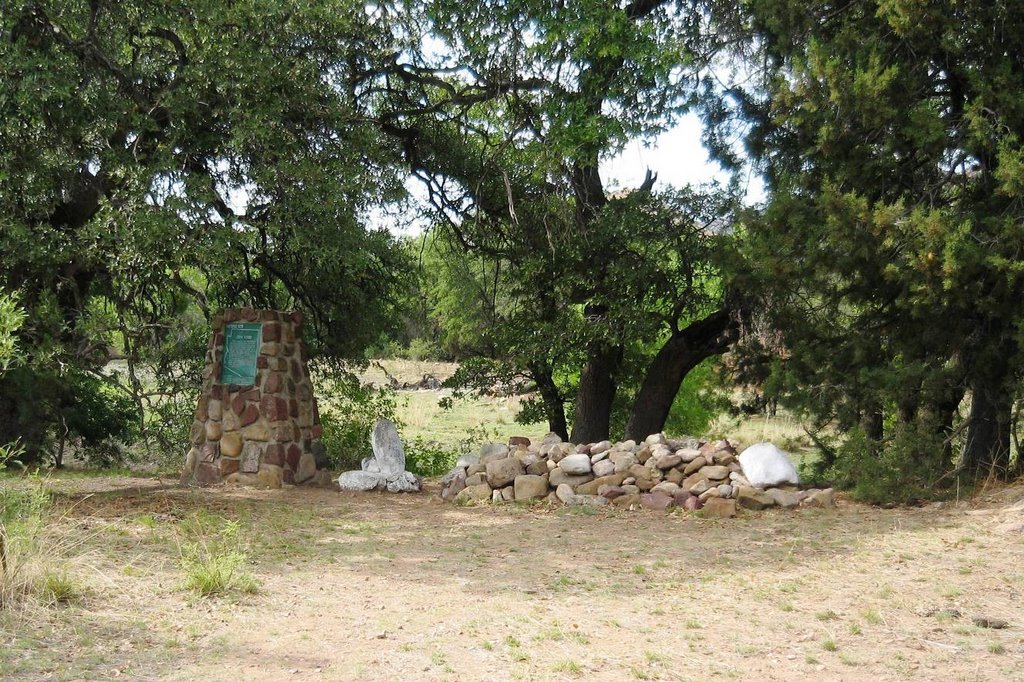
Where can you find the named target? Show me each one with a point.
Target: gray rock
(575, 465)
(369, 464)
(725, 490)
(666, 487)
(469, 459)
(753, 498)
(508, 494)
(496, 496)
(558, 477)
(666, 461)
(492, 451)
(474, 493)
(564, 493)
(456, 472)
(362, 481)
(404, 482)
(715, 473)
(655, 439)
(476, 479)
(529, 487)
(600, 447)
(599, 457)
(622, 460)
(784, 498)
(688, 454)
(604, 468)
(821, 498)
(502, 472)
(252, 452)
(387, 447)
(307, 468)
(719, 508)
(695, 464)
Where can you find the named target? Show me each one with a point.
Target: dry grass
(350, 590)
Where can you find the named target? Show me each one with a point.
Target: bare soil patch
(367, 586)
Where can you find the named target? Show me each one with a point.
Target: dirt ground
(374, 587)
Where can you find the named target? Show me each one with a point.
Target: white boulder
(764, 465)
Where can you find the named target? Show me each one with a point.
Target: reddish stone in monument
(273, 408)
(207, 474)
(316, 431)
(293, 455)
(262, 362)
(249, 315)
(272, 332)
(228, 466)
(296, 370)
(215, 392)
(250, 415)
(238, 405)
(269, 316)
(275, 382)
(297, 318)
(211, 450)
(288, 476)
(293, 408)
(253, 394)
(274, 454)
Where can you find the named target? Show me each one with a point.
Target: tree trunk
(988, 433)
(681, 353)
(554, 406)
(596, 393)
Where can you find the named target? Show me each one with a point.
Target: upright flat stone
(387, 448)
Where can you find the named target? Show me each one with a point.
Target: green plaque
(241, 348)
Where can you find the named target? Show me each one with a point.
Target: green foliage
(11, 319)
(428, 458)
(159, 162)
(102, 418)
(697, 403)
(348, 411)
(213, 557)
(904, 468)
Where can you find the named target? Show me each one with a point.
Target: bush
(428, 458)
(903, 468)
(348, 411)
(214, 560)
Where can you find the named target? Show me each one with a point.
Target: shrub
(348, 411)
(214, 560)
(903, 468)
(428, 458)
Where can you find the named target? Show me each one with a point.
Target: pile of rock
(386, 469)
(658, 473)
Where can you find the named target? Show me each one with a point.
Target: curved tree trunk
(596, 393)
(681, 353)
(554, 406)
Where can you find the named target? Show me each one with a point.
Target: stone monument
(386, 469)
(256, 421)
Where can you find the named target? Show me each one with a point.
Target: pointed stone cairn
(256, 421)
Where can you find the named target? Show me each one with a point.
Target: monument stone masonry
(256, 421)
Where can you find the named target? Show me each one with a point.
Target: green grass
(213, 560)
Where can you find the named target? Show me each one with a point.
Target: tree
(890, 133)
(186, 155)
(507, 126)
